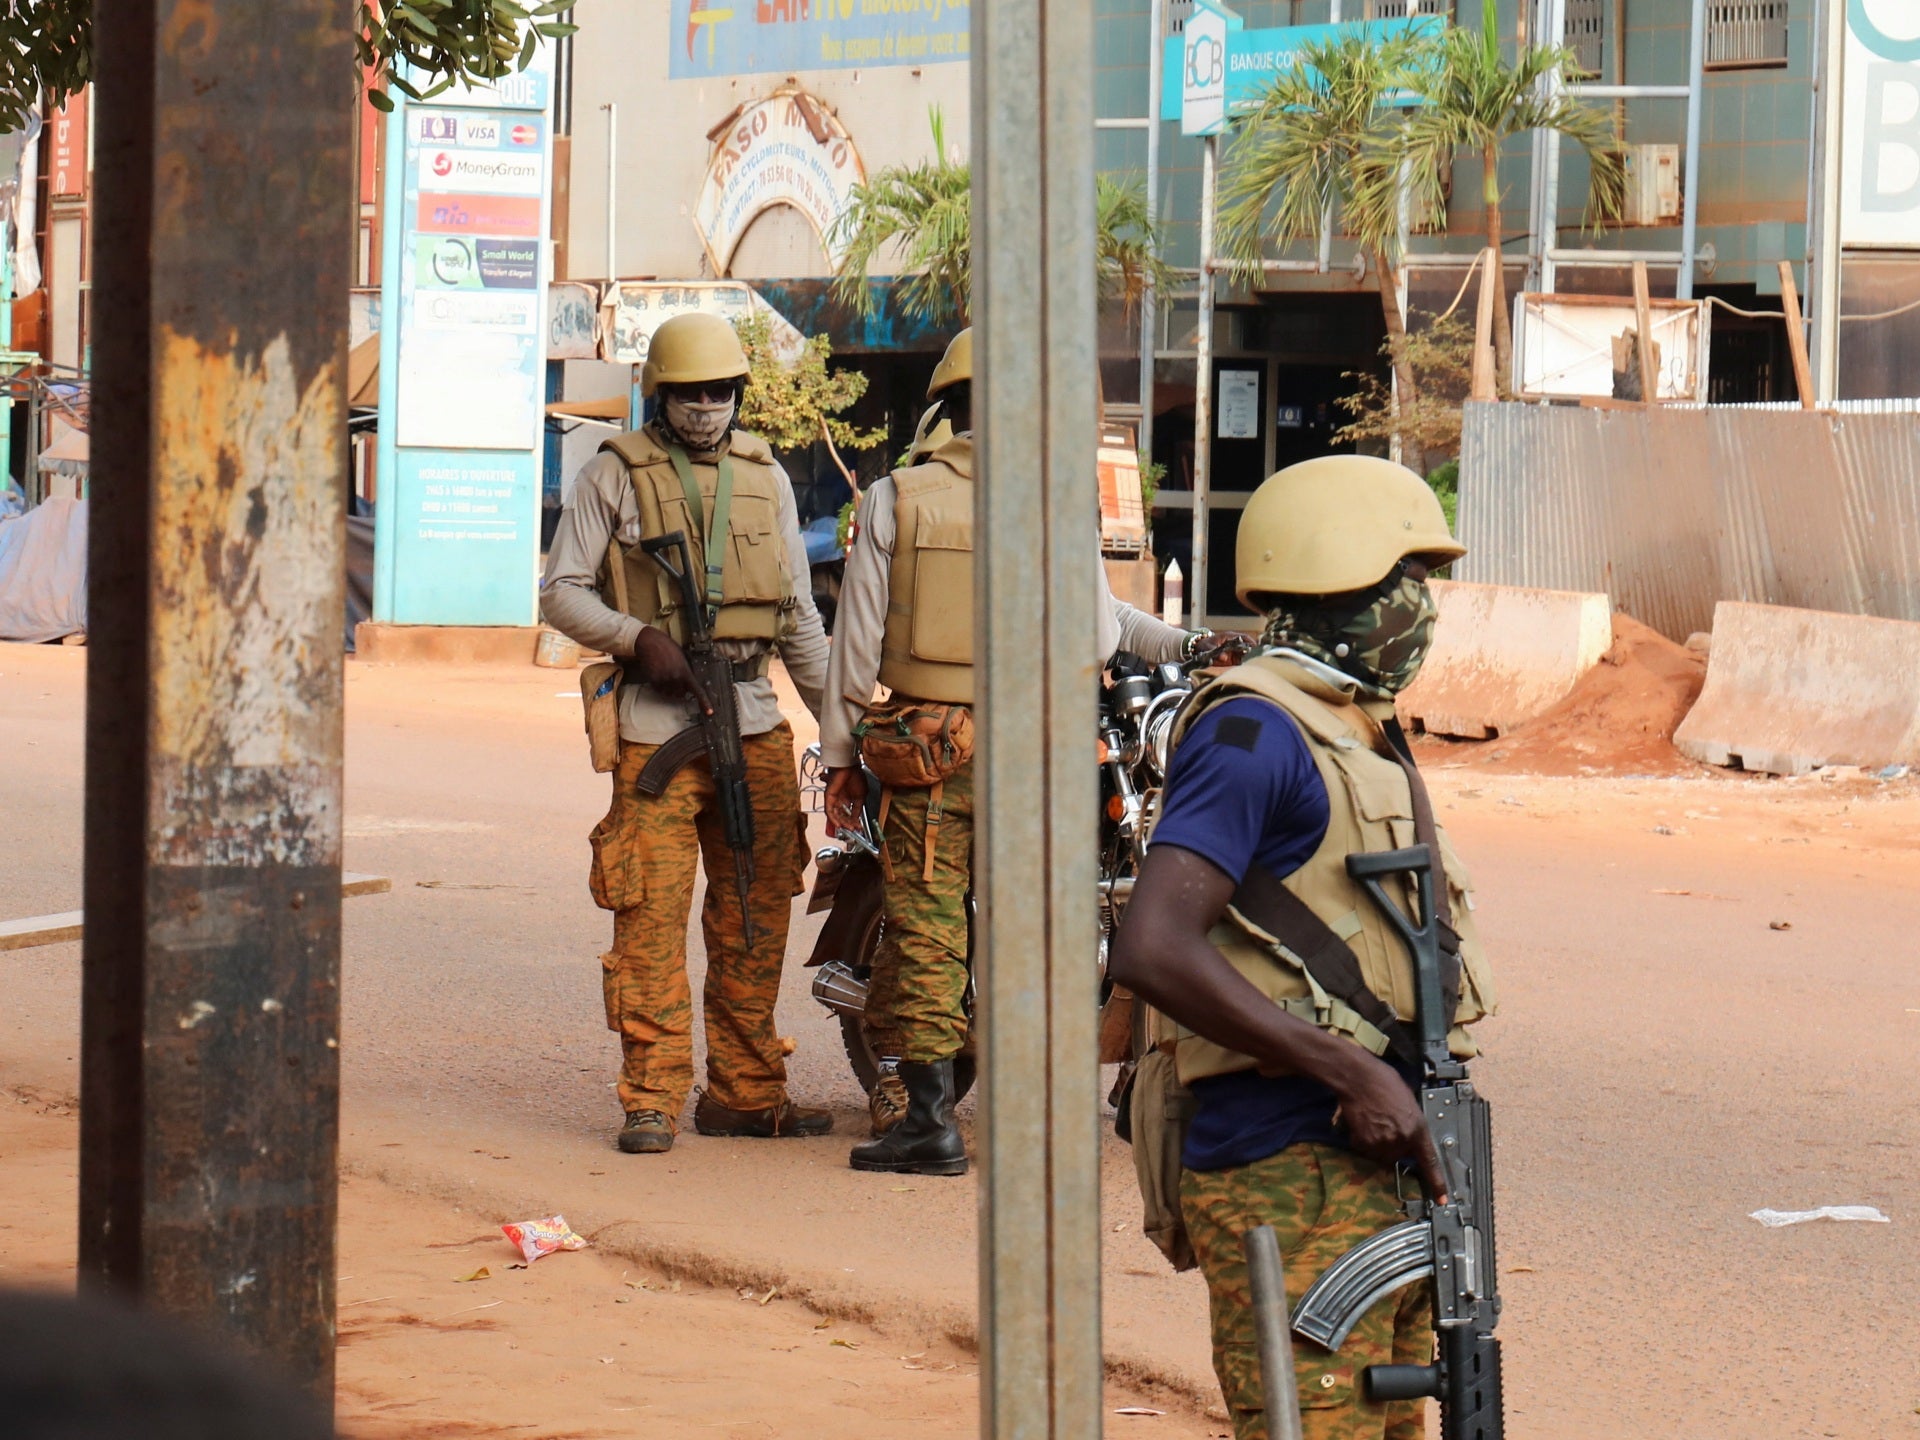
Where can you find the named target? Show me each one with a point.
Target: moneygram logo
(484, 172)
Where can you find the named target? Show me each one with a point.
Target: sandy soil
(1710, 1005)
(444, 1335)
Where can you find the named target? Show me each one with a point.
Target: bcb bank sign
(746, 37)
(1880, 125)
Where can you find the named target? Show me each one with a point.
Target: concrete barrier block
(1503, 654)
(1789, 691)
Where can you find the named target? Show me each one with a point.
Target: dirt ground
(445, 1335)
(1710, 1004)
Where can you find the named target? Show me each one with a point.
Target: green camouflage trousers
(916, 1000)
(1321, 1202)
(644, 857)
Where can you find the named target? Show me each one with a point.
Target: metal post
(1547, 223)
(210, 965)
(1267, 1283)
(1033, 134)
(1690, 199)
(1203, 386)
(613, 179)
(1823, 274)
(1150, 302)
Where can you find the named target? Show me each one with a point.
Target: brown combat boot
(887, 1103)
(647, 1132)
(782, 1121)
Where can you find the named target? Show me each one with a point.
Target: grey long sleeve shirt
(854, 669)
(600, 508)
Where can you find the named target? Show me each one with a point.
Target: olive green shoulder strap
(715, 524)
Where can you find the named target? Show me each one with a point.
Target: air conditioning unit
(1653, 185)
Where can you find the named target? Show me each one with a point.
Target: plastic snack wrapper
(535, 1238)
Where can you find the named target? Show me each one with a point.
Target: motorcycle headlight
(1156, 730)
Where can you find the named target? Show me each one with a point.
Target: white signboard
(471, 287)
(634, 309)
(1880, 125)
(1239, 405)
(1203, 70)
(788, 149)
(1566, 346)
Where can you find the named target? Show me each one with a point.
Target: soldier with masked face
(691, 470)
(1303, 1112)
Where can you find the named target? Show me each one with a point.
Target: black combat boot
(926, 1142)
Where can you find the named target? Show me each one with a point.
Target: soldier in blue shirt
(1304, 1115)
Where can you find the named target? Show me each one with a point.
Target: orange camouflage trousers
(1321, 1202)
(917, 998)
(645, 854)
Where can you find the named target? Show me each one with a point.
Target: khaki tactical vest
(757, 593)
(926, 650)
(1370, 808)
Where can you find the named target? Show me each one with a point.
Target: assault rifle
(1452, 1242)
(718, 732)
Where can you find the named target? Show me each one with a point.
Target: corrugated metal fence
(1671, 509)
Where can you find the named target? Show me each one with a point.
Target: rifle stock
(719, 723)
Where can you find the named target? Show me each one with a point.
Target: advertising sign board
(1253, 59)
(463, 355)
(1880, 125)
(745, 37)
(787, 149)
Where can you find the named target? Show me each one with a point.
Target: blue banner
(746, 37)
(1256, 58)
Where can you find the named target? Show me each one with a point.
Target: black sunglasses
(710, 392)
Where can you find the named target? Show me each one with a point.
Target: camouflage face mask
(1380, 637)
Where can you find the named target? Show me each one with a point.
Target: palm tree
(1475, 100)
(924, 212)
(1327, 135)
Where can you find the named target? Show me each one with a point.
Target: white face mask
(700, 423)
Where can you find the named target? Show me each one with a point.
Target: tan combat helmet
(933, 431)
(956, 365)
(1338, 523)
(692, 348)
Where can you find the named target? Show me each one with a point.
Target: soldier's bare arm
(1163, 955)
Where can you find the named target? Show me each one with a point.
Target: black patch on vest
(1240, 731)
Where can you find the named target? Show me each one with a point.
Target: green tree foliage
(922, 216)
(1326, 139)
(1440, 358)
(791, 406)
(46, 46)
(1476, 99)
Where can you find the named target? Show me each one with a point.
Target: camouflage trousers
(645, 854)
(917, 998)
(1321, 1202)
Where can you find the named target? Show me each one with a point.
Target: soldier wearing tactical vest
(690, 470)
(906, 620)
(1303, 1114)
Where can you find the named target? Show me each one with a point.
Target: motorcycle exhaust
(839, 989)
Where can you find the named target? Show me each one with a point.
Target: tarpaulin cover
(43, 572)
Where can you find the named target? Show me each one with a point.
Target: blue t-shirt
(1243, 789)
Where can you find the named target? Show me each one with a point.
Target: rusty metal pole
(210, 997)
(1035, 558)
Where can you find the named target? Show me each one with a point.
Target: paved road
(1665, 1062)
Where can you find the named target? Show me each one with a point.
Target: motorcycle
(1139, 704)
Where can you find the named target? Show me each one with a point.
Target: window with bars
(1401, 9)
(1178, 12)
(1746, 34)
(1586, 33)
